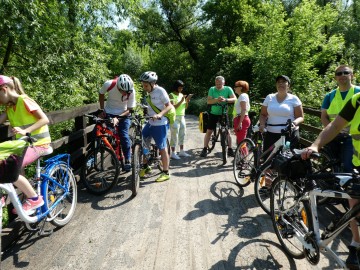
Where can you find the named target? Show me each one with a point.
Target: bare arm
(242, 115)
(3, 118)
(299, 115)
(325, 120)
(263, 117)
(101, 101)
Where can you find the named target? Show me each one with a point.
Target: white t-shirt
(279, 113)
(242, 97)
(116, 103)
(159, 97)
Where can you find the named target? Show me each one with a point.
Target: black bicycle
(222, 131)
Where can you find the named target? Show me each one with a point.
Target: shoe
(203, 153)
(352, 261)
(127, 167)
(183, 154)
(174, 156)
(144, 171)
(163, 177)
(231, 152)
(29, 206)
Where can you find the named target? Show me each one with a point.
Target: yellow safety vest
(20, 117)
(338, 103)
(355, 130)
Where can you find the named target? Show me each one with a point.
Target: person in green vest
(348, 116)
(178, 128)
(217, 94)
(25, 116)
(332, 104)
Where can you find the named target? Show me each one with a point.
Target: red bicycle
(101, 167)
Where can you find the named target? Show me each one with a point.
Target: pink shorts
(33, 153)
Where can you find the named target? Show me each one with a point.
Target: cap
(4, 79)
(286, 78)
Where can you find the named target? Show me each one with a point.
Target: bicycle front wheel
(63, 182)
(224, 145)
(100, 170)
(244, 162)
(262, 187)
(136, 160)
(291, 218)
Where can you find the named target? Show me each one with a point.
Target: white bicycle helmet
(125, 83)
(148, 76)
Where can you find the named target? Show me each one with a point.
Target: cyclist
(349, 114)
(332, 104)
(217, 94)
(277, 109)
(25, 116)
(178, 129)
(157, 127)
(120, 101)
(242, 108)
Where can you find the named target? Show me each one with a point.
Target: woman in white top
(277, 109)
(242, 107)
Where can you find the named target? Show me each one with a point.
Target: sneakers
(182, 153)
(174, 156)
(352, 261)
(127, 167)
(30, 205)
(231, 152)
(144, 171)
(203, 152)
(163, 177)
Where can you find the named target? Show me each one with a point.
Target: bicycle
(104, 159)
(55, 182)
(294, 210)
(152, 153)
(221, 130)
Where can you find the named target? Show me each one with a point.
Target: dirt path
(198, 220)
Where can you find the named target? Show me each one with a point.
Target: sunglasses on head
(341, 73)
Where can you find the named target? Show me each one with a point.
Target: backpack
(170, 115)
(203, 121)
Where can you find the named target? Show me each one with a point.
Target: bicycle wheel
(63, 182)
(262, 187)
(291, 218)
(136, 160)
(224, 145)
(100, 170)
(213, 139)
(244, 166)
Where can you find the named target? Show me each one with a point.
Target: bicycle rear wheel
(136, 166)
(291, 218)
(65, 209)
(244, 162)
(213, 139)
(262, 187)
(100, 170)
(224, 145)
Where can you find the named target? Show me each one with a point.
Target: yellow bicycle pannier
(203, 121)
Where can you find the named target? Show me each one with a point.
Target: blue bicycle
(55, 182)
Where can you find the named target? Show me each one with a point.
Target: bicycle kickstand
(42, 230)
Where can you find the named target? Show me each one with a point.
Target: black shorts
(213, 119)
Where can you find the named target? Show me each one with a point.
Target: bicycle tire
(262, 187)
(243, 165)
(223, 140)
(101, 177)
(213, 139)
(136, 160)
(64, 210)
(289, 217)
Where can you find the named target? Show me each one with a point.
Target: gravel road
(198, 220)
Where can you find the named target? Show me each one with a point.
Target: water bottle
(90, 162)
(145, 151)
(287, 145)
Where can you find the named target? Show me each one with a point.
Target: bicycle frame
(42, 178)
(103, 132)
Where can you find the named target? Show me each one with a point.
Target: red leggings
(241, 134)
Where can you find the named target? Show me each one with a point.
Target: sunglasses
(341, 73)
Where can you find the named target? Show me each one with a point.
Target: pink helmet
(5, 79)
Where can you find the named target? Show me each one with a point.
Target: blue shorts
(158, 133)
